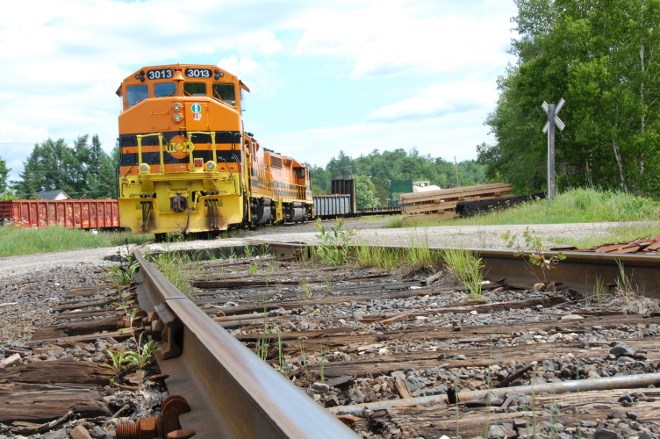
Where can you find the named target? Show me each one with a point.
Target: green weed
(533, 251)
(467, 268)
(335, 244)
(306, 289)
(122, 275)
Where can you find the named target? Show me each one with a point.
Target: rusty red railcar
(72, 214)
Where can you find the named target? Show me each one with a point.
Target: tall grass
(22, 241)
(178, 268)
(467, 268)
(417, 254)
(572, 206)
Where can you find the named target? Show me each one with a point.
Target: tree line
(84, 170)
(376, 172)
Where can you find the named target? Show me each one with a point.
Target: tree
(49, 167)
(601, 56)
(84, 171)
(95, 172)
(365, 193)
(4, 173)
(320, 179)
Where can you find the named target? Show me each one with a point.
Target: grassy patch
(573, 206)
(23, 241)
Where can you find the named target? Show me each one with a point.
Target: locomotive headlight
(210, 165)
(176, 107)
(144, 168)
(177, 117)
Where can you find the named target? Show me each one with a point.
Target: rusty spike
(172, 407)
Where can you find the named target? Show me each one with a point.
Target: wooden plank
(80, 327)
(58, 371)
(574, 408)
(481, 357)
(457, 192)
(41, 403)
(116, 335)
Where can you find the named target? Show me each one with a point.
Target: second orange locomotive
(186, 164)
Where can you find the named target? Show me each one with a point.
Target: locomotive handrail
(160, 148)
(231, 392)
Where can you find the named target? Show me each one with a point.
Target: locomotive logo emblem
(179, 147)
(196, 108)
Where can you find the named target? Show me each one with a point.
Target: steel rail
(231, 393)
(580, 271)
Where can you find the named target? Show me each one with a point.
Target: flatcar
(187, 165)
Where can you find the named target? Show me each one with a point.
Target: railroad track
(398, 353)
(401, 355)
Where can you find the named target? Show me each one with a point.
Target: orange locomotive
(187, 166)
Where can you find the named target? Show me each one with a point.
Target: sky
(325, 76)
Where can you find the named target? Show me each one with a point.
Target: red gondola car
(72, 214)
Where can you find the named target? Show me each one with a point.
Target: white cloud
(403, 37)
(440, 99)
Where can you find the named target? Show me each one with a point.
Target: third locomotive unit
(188, 166)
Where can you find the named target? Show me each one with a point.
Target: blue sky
(325, 76)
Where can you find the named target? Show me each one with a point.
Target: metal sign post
(549, 127)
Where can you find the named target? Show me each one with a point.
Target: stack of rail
(441, 204)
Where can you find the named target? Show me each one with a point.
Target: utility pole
(549, 127)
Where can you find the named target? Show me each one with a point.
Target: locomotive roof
(179, 66)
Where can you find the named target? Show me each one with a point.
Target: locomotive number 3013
(198, 73)
(160, 74)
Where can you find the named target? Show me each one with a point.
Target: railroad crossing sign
(560, 124)
(549, 127)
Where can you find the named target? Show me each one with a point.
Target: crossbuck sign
(553, 120)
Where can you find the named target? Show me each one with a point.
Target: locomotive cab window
(136, 94)
(164, 89)
(224, 92)
(194, 89)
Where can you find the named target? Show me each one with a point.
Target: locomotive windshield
(194, 89)
(136, 94)
(224, 92)
(164, 89)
